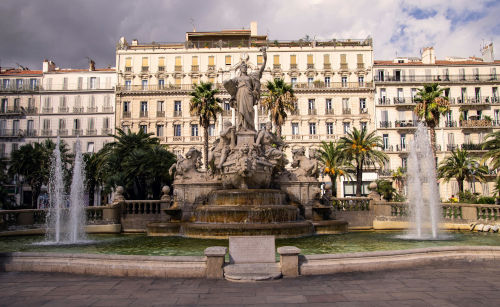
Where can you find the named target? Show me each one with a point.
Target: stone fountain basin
(250, 197)
(246, 214)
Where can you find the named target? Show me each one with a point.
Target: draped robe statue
(245, 93)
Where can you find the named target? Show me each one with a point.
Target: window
(211, 60)
(293, 61)
(194, 130)
(159, 130)
(49, 83)
(326, 59)
(385, 140)
(228, 60)
(144, 108)
(310, 81)
(310, 104)
(145, 64)
(362, 103)
(260, 60)
(344, 81)
(327, 81)
(381, 75)
(350, 188)
(33, 83)
(363, 125)
(312, 128)
(93, 83)
(361, 81)
(105, 123)
(19, 83)
(160, 106)
(227, 106)
(30, 127)
(211, 130)
(62, 124)
(126, 106)
(295, 128)
(161, 64)
(347, 128)
(143, 128)
(463, 94)
(310, 61)
(15, 126)
(90, 147)
(345, 103)
(493, 72)
(128, 64)
(76, 124)
(293, 81)
(329, 128)
(276, 59)
(178, 63)
(5, 105)
(65, 83)
(328, 105)
(144, 84)
(161, 83)
(128, 84)
(403, 141)
(177, 130)
(404, 163)
(5, 83)
(177, 106)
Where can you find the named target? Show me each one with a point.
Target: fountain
(65, 222)
(423, 193)
(247, 190)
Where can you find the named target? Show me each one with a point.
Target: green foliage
(461, 166)
(5, 200)
(492, 145)
(385, 188)
(360, 147)
(486, 200)
(467, 197)
(279, 99)
(334, 163)
(205, 105)
(136, 161)
(33, 163)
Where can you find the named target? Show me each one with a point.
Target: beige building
(332, 80)
(77, 103)
(19, 101)
(471, 85)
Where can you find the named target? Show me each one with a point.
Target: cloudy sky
(69, 31)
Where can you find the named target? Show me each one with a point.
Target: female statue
(245, 93)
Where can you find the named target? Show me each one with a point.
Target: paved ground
(452, 284)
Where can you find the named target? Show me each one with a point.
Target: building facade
(19, 98)
(77, 103)
(471, 86)
(332, 81)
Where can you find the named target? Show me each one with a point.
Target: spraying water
(423, 194)
(65, 222)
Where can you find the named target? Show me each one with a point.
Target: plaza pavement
(456, 283)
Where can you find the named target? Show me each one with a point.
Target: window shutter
(194, 61)
(276, 59)
(293, 59)
(326, 58)
(161, 61)
(343, 58)
(128, 62)
(97, 83)
(88, 82)
(211, 60)
(360, 58)
(178, 61)
(309, 59)
(144, 61)
(228, 60)
(260, 60)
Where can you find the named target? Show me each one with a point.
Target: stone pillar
(289, 260)
(256, 117)
(233, 116)
(215, 261)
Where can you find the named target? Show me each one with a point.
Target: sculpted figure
(187, 168)
(304, 168)
(270, 145)
(245, 93)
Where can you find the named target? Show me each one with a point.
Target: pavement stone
(451, 284)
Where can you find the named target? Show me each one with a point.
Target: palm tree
(335, 163)
(399, 178)
(136, 161)
(279, 100)
(205, 105)
(461, 166)
(360, 147)
(492, 145)
(431, 104)
(5, 199)
(92, 178)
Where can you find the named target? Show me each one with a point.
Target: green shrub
(467, 197)
(486, 200)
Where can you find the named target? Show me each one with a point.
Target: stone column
(215, 261)
(233, 116)
(289, 260)
(256, 117)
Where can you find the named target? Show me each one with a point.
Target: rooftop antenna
(191, 21)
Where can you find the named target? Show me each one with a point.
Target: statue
(270, 146)
(305, 169)
(187, 168)
(245, 93)
(222, 147)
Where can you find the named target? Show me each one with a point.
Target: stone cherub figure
(245, 93)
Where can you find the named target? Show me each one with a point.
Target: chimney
(253, 28)
(428, 55)
(91, 65)
(135, 42)
(48, 66)
(487, 53)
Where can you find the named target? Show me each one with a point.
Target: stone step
(252, 271)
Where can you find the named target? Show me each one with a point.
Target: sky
(70, 31)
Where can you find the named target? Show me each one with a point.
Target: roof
(64, 70)
(20, 72)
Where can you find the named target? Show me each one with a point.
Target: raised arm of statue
(264, 55)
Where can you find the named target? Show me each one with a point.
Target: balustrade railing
(351, 204)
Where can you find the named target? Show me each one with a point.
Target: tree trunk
(35, 192)
(460, 185)
(91, 194)
(334, 186)
(433, 139)
(278, 131)
(205, 146)
(359, 179)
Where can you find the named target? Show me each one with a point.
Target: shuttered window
(276, 60)
(211, 60)
(228, 60)
(310, 59)
(293, 59)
